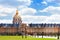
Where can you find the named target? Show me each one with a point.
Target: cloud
(15, 3)
(27, 15)
(10, 8)
(33, 19)
(6, 21)
(4, 11)
(28, 11)
(37, 19)
(52, 2)
(10, 11)
(22, 7)
(25, 2)
(53, 19)
(3, 15)
(44, 2)
(51, 10)
(41, 19)
(55, 14)
(49, 0)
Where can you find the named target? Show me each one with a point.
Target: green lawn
(20, 38)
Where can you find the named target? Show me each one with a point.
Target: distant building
(17, 27)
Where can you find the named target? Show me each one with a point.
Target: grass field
(20, 38)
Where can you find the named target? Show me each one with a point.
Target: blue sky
(31, 11)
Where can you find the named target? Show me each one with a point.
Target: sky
(31, 11)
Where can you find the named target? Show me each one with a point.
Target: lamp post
(42, 34)
(25, 32)
(42, 30)
(22, 34)
(58, 33)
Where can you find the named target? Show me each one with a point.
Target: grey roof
(44, 25)
(9, 25)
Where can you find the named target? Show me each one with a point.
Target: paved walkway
(46, 37)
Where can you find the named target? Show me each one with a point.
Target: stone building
(17, 27)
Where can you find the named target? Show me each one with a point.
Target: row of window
(44, 25)
(9, 25)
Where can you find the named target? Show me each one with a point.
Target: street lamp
(58, 33)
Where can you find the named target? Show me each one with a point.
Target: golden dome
(16, 15)
(17, 18)
(16, 12)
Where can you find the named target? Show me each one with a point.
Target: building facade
(17, 27)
